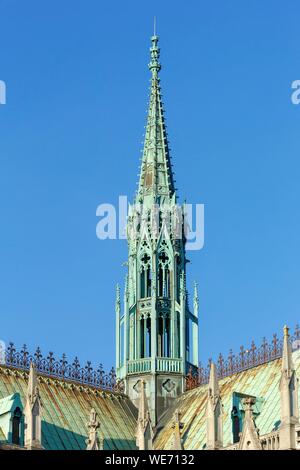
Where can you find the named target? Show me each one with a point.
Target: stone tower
(157, 335)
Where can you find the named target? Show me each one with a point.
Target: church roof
(66, 409)
(261, 381)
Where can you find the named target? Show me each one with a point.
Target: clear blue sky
(70, 139)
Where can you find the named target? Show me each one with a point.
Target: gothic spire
(155, 321)
(156, 178)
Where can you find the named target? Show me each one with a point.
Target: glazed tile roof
(66, 408)
(261, 381)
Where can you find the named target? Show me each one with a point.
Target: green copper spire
(154, 65)
(154, 341)
(156, 178)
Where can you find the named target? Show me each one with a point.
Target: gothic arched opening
(145, 337)
(164, 276)
(145, 276)
(16, 426)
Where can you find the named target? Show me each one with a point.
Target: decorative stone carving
(177, 426)
(214, 423)
(144, 432)
(169, 385)
(249, 439)
(94, 442)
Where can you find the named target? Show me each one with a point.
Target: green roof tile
(261, 381)
(66, 409)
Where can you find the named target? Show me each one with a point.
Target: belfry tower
(156, 334)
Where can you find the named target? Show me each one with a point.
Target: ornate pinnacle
(213, 389)
(154, 64)
(196, 299)
(32, 388)
(249, 402)
(182, 284)
(118, 300)
(93, 442)
(126, 291)
(177, 426)
(287, 359)
(286, 330)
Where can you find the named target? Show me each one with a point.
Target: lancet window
(16, 425)
(145, 336)
(145, 276)
(164, 277)
(163, 343)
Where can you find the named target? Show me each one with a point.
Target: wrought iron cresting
(61, 368)
(245, 359)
